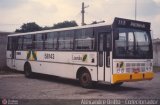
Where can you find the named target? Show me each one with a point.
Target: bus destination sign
(126, 23)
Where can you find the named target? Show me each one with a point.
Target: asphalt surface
(49, 87)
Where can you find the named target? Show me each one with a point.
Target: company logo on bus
(31, 55)
(80, 57)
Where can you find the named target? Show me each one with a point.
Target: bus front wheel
(27, 71)
(85, 80)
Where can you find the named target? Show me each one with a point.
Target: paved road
(48, 87)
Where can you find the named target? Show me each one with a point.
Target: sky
(13, 13)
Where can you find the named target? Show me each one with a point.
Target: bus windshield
(133, 43)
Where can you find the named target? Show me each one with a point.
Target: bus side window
(50, 42)
(69, 36)
(55, 41)
(38, 42)
(61, 39)
(27, 42)
(14, 43)
(109, 42)
(65, 40)
(20, 43)
(84, 39)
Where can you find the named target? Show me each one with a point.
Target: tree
(94, 22)
(65, 24)
(47, 28)
(29, 27)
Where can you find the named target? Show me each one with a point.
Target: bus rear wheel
(27, 71)
(85, 80)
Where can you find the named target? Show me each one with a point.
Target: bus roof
(118, 22)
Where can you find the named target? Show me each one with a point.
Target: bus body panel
(8, 56)
(58, 63)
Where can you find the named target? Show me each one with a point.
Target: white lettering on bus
(77, 58)
(48, 56)
(122, 22)
(138, 25)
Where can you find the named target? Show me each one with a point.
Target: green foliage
(28, 54)
(94, 22)
(65, 24)
(30, 27)
(34, 55)
(84, 58)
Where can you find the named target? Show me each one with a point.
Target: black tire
(117, 84)
(85, 80)
(27, 71)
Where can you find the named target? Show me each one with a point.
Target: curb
(12, 75)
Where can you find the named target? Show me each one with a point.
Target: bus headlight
(149, 69)
(149, 66)
(120, 70)
(120, 67)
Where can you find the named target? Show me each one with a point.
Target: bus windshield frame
(132, 43)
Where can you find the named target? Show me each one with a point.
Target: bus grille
(132, 66)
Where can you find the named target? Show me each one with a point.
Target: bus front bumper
(127, 77)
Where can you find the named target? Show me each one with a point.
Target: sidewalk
(11, 75)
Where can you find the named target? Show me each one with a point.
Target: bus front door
(104, 70)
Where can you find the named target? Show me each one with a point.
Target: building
(156, 52)
(3, 47)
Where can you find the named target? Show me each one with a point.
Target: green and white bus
(115, 53)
